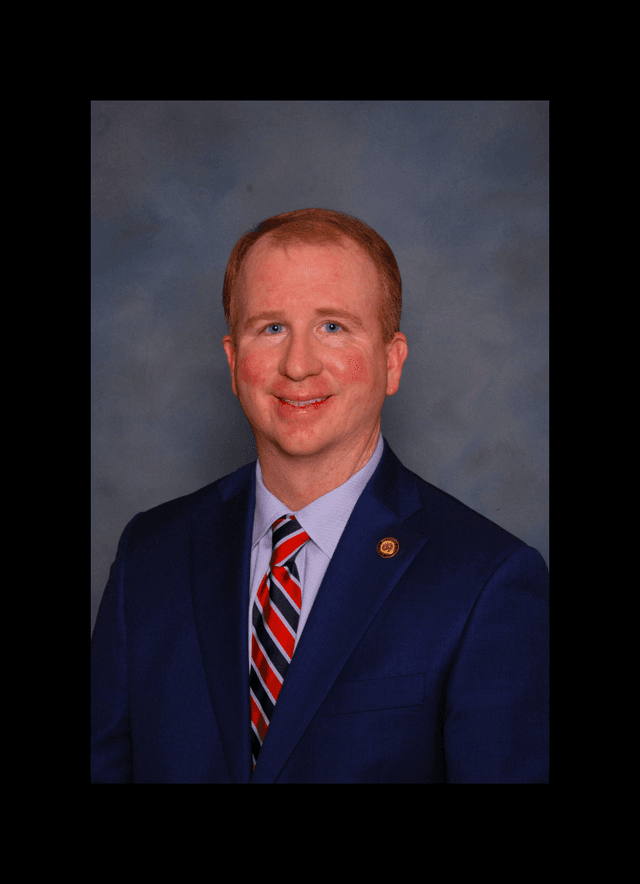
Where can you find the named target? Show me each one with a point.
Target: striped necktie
(275, 616)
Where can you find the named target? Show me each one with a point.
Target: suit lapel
(220, 564)
(356, 584)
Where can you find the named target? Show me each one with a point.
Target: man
(323, 615)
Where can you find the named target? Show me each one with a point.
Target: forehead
(332, 269)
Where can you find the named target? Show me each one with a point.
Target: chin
(300, 447)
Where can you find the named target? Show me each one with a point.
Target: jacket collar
(220, 559)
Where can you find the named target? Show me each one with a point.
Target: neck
(298, 481)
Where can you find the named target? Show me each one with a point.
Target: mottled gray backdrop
(459, 190)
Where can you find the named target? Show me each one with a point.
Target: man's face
(308, 328)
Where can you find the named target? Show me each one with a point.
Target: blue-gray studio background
(459, 190)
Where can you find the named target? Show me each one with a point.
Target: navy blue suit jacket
(427, 667)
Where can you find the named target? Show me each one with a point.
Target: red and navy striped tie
(275, 616)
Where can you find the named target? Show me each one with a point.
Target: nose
(300, 357)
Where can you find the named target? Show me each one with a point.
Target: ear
(229, 349)
(397, 352)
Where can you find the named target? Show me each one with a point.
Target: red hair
(322, 226)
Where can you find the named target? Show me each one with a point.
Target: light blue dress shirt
(324, 520)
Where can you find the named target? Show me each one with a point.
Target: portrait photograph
(319, 441)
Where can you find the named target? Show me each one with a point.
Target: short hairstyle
(322, 226)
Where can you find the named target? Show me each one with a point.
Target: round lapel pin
(388, 547)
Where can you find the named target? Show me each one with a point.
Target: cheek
(253, 370)
(355, 369)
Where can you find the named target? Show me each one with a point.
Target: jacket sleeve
(111, 760)
(497, 702)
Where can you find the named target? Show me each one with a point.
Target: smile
(297, 403)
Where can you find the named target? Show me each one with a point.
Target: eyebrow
(320, 311)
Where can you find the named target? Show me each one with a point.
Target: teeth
(300, 404)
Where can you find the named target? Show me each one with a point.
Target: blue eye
(276, 326)
(333, 326)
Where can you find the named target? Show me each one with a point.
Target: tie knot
(288, 537)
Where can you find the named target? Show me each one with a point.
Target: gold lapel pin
(388, 547)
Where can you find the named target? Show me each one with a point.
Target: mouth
(304, 403)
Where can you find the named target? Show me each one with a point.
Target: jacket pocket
(374, 693)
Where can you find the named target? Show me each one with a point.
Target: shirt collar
(324, 519)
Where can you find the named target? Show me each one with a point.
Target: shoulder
(453, 515)
(466, 551)
(172, 513)
(457, 531)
